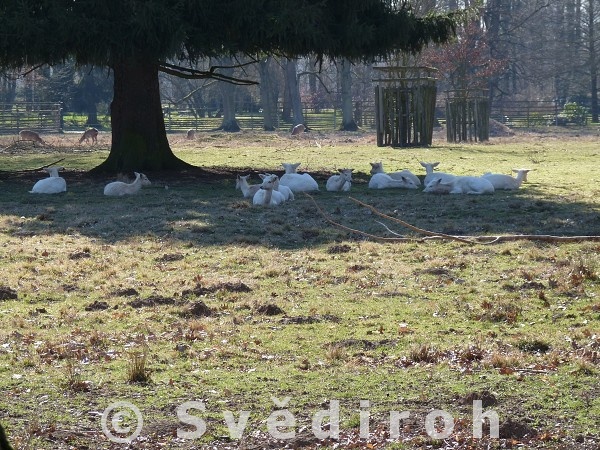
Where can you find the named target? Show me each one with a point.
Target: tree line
(519, 50)
(264, 50)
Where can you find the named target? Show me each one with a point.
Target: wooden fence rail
(44, 117)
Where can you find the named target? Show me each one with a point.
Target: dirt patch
(334, 249)
(304, 320)
(487, 399)
(80, 255)
(170, 257)
(514, 429)
(365, 344)
(197, 309)
(155, 300)
(269, 310)
(126, 292)
(228, 286)
(7, 293)
(97, 306)
(534, 346)
(436, 271)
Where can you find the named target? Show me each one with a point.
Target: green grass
(109, 288)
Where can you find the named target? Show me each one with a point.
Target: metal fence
(49, 118)
(527, 114)
(45, 117)
(321, 119)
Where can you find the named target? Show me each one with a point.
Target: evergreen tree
(135, 38)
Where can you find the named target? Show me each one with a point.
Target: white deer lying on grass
(340, 182)
(120, 188)
(54, 184)
(384, 181)
(460, 185)
(430, 175)
(267, 195)
(297, 182)
(377, 167)
(506, 182)
(248, 190)
(287, 193)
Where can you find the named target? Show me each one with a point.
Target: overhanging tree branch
(194, 74)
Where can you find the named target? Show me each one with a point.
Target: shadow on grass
(203, 208)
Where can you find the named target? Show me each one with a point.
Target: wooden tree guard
(405, 106)
(467, 115)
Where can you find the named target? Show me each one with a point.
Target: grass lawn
(268, 320)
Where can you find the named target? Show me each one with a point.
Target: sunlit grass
(187, 292)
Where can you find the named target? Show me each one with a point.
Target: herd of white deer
(274, 190)
(268, 193)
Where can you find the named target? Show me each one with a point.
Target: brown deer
(28, 135)
(90, 133)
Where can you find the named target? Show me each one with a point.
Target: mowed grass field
(268, 319)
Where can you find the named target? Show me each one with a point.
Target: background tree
(348, 123)
(228, 93)
(466, 63)
(292, 90)
(135, 38)
(8, 87)
(268, 93)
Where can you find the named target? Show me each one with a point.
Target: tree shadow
(202, 208)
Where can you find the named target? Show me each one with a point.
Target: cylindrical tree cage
(405, 106)
(467, 115)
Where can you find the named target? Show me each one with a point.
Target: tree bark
(229, 123)
(291, 76)
(266, 95)
(139, 137)
(593, 60)
(348, 123)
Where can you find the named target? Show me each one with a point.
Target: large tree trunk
(92, 115)
(593, 61)
(269, 106)
(291, 77)
(348, 123)
(8, 89)
(139, 138)
(229, 122)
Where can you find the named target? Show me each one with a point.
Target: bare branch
(352, 230)
(193, 74)
(479, 240)
(407, 225)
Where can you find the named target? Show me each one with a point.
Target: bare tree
(348, 123)
(268, 94)
(292, 88)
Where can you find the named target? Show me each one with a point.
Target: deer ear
(262, 176)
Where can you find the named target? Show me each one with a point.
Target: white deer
(340, 182)
(54, 184)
